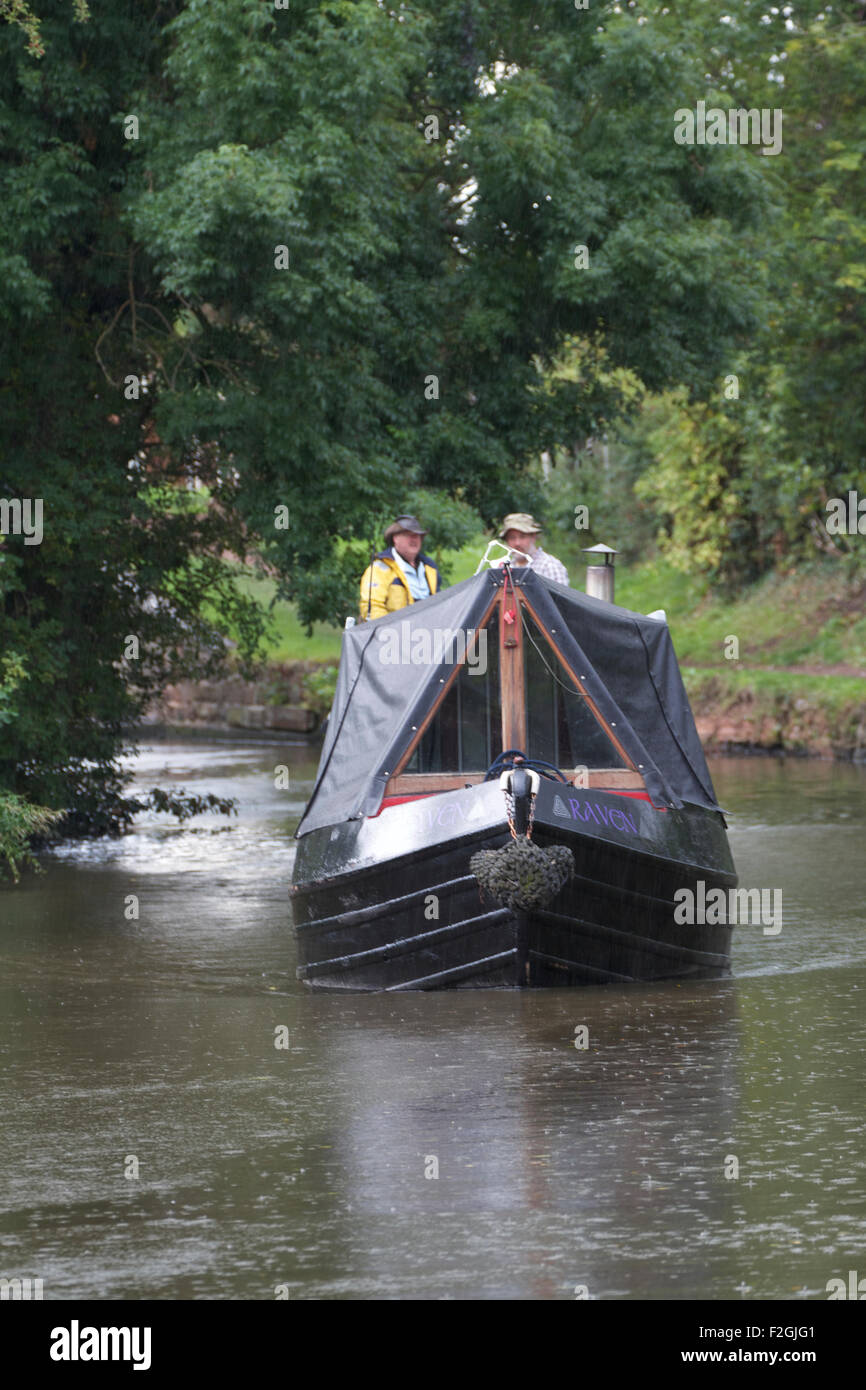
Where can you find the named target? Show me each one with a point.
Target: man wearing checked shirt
(518, 533)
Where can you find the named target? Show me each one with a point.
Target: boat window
(465, 734)
(561, 728)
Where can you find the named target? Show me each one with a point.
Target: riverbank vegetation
(271, 275)
(20, 823)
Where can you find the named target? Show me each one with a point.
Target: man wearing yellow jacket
(400, 574)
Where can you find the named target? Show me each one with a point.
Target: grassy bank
(780, 667)
(808, 618)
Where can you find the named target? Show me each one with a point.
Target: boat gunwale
(429, 851)
(358, 915)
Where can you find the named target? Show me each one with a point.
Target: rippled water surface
(148, 1044)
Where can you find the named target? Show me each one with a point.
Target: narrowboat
(507, 722)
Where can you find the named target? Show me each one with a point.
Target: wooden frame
(431, 713)
(629, 762)
(512, 688)
(406, 783)
(598, 779)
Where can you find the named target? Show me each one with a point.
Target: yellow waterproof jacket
(384, 588)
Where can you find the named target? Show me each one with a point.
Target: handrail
(485, 558)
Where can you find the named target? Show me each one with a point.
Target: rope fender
(522, 875)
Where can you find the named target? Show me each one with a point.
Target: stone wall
(726, 722)
(278, 701)
(791, 724)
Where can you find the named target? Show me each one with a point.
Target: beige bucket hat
(519, 521)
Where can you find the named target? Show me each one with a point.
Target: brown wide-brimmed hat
(519, 521)
(404, 523)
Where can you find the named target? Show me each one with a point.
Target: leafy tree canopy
(300, 266)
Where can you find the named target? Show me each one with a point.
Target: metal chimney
(600, 575)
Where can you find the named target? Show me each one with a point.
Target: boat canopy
(588, 655)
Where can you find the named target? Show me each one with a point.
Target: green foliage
(741, 485)
(20, 13)
(424, 334)
(593, 471)
(811, 617)
(120, 559)
(693, 447)
(319, 687)
(20, 821)
(12, 673)
(184, 805)
(821, 266)
(429, 282)
(287, 638)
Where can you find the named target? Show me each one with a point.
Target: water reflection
(154, 1037)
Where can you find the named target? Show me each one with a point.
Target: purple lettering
(602, 815)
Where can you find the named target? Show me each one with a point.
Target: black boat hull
(389, 902)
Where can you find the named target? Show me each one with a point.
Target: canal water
(182, 1119)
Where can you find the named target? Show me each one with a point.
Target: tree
(123, 587)
(428, 174)
(266, 271)
(795, 435)
(20, 13)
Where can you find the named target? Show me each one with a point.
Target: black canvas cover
(625, 661)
